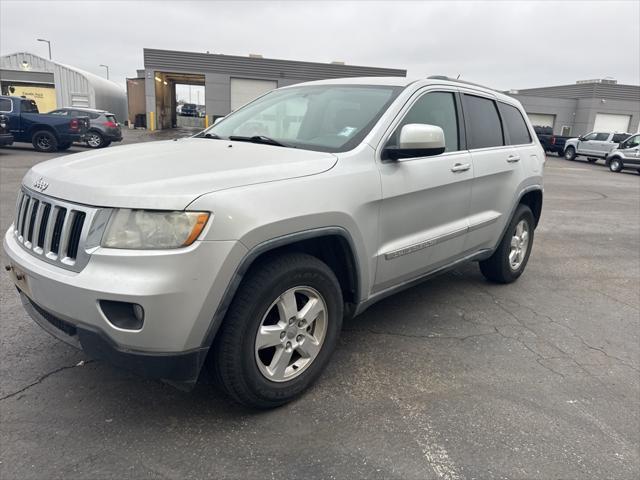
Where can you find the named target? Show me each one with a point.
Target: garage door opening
(244, 90)
(180, 101)
(607, 122)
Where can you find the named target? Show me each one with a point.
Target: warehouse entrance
(180, 100)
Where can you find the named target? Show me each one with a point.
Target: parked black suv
(103, 129)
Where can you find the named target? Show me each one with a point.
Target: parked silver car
(104, 127)
(594, 145)
(627, 155)
(242, 249)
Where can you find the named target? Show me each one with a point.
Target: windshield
(327, 118)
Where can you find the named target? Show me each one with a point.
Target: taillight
(110, 124)
(74, 124)
(553, 140)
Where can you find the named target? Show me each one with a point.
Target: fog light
(124, 315)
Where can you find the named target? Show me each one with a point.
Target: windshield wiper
(259, 139)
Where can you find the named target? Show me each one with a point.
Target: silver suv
(627, 155)
(241, 249)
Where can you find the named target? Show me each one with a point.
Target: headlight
(149, 229)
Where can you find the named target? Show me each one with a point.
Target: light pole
(48, 43)
(107, 67)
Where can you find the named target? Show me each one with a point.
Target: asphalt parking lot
(454, 379)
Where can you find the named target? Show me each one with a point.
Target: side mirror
(417, 140)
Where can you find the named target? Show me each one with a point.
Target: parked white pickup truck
(593, 145)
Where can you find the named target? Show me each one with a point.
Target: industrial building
(586, 106)
(55, 85)
(229, 82)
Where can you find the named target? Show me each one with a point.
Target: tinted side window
(591, 136)
(602, 137)
(5, 104)
(514, 124)
(29, 106)
(94, 116)
(619, 137)
(485, 128)
(58, 112)
(436, 108)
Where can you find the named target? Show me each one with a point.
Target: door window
(591, 136)
(59, 112)
(632, 142)
(601, 137)
(435, 108)
(29, 106)
(5, 104)
(515, 125)
(484, 126)
(619, 137)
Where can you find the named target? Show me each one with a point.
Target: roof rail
(449, 79)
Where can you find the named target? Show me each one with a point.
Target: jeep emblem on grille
(40, 184)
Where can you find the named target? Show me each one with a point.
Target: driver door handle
(513, 158)
(461, 167)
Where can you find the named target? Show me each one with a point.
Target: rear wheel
(510, 258)
(95, 139)
(44, 141)
(615, 165)
(570, 153)
(279, 332)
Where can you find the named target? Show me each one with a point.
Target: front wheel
(44, 141)
(279, 332)
(615, 165)
(570, 153)
(510, 258)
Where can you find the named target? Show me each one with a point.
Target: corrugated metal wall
(74, 87)
(251, 67)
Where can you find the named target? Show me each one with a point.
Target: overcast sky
(501, 44)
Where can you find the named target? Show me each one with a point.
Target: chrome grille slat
(55, 230)
(64, 234)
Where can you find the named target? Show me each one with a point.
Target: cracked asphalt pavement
(453, 379)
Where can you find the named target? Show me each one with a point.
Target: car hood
(168, 175)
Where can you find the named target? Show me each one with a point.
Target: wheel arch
(38, 127)
(332, 245)
(533, 199)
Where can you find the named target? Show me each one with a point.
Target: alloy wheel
(94, 140)
(519, 245)
(291, 334)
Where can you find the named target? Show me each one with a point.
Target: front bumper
(178, 289)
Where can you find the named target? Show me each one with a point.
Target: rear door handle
(513, 158)
(461, 167)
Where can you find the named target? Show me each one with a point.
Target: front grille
(54, 230)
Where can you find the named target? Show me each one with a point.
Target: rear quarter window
(619, 137)
(484, 127)
(514, 123)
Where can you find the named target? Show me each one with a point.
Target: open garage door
(243, 90)
(542, 119)
(607, 122)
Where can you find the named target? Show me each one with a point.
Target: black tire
(570, 153)
(106, 143)
(64, 146)
(592, 160)
(44, 141)
(615, 164)
(95, 139)
(234, 357)
(497, 268)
